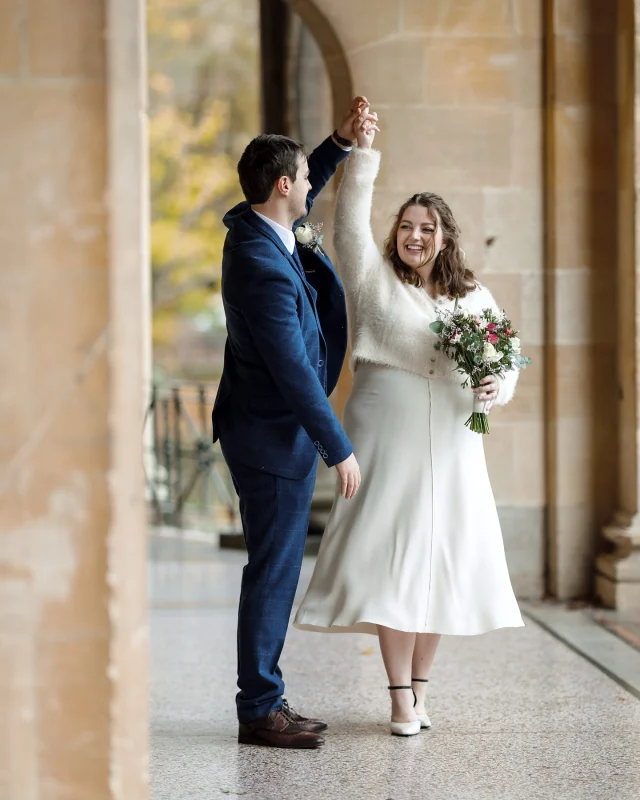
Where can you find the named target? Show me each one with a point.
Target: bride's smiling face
(419, 238)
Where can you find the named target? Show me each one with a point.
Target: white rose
(490, 353)
(515, 343)
(304, 234)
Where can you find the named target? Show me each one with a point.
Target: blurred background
(219, 74)
(205, 91)
(204, 106)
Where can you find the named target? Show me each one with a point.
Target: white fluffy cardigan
(388, 319)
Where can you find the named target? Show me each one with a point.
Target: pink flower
(492, 327)
(492, 338)
(508, 332)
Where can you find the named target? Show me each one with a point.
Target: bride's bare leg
(397, 649)
(424, 653)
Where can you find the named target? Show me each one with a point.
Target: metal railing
(187, 479)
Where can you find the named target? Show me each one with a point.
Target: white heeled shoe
(404, 728)
(424, 720)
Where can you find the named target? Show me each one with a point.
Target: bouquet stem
(478, 422)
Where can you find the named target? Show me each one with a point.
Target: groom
(286, 342)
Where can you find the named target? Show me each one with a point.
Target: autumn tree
(204, 107)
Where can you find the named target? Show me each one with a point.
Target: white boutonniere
(308, 235)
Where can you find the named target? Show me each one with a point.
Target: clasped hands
(359, 124)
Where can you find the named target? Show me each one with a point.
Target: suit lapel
(293, 258)
(311, 291)
(268, 231)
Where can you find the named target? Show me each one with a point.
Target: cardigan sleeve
(353, 239)
(507, 385)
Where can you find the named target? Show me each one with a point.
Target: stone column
(127, 206)
(73, 350)
(618, 570)
(580, 211)
(275, 25)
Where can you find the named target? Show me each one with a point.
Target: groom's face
(299, 190)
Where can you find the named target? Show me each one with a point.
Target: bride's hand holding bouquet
(484, 347)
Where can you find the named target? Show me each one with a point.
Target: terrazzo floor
(516, 714)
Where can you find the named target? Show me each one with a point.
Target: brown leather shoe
(278, 729)
(315, 725)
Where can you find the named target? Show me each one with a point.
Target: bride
(418, 552)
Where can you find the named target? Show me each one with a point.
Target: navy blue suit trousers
(275, 518)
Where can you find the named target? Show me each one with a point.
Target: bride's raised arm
(353, 237)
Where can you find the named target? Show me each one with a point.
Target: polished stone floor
(515, 713)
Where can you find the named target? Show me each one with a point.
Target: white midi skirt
(419, 548)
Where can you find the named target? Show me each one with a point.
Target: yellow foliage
(203, 83)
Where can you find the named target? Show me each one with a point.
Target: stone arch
(332, 50)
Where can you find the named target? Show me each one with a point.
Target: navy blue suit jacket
(286, 342)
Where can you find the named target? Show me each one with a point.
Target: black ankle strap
(391, 688)
(420, 680)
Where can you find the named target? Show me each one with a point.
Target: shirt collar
(287, 236)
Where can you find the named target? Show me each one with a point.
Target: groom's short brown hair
(266, 159)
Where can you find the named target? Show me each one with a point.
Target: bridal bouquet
(481, 345)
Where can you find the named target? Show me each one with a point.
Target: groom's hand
(359, 108)
(349, 473)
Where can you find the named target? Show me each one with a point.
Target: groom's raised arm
(323, 162)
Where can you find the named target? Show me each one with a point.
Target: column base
(619, 595)
(617, 583)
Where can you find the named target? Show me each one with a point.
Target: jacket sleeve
(354, 242)
(507, 385)
(270, 311)
(323, 163)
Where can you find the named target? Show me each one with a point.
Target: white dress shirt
(287, 236)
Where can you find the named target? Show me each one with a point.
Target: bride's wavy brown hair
(450, 275)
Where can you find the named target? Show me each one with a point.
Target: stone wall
(458, 87)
